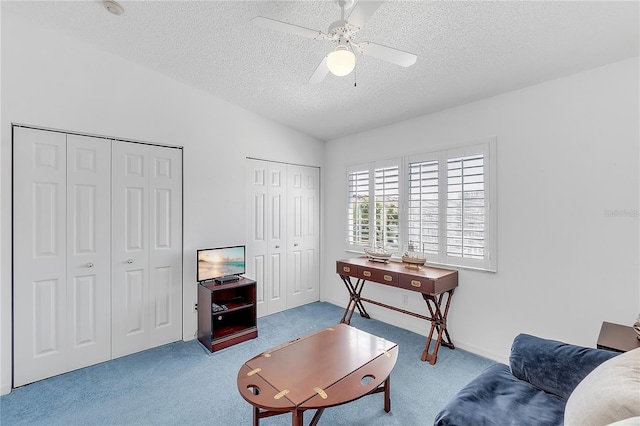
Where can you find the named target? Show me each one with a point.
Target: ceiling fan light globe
(341, 62)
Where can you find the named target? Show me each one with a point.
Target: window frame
(371, 168)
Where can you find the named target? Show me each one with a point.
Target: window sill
(435, 264)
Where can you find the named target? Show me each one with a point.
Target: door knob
(89, 265)
(277, 246)
(295, 244)
(129, 260)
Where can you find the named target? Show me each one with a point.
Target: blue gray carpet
(183, 384)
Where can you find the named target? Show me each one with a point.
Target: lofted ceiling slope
(467, 50)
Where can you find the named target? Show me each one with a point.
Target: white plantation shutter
(358, 208)
(443, 205)
(423, 220)
(387, 208)
(470, 219)
(466, 207)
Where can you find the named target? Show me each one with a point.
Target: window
(440, 203)
(384, 230)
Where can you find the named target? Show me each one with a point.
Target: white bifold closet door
(146, 247)
(282, 234)
(61, 253)
(97, 250)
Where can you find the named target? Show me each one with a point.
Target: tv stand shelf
(223, 328)
(235, 304)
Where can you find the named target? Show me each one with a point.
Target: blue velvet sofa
(533, 390)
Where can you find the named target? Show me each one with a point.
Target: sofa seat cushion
(498, 398)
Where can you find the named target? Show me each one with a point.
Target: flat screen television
(220, 262)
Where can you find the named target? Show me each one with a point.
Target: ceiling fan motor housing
(341, 30)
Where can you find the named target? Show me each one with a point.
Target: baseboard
(481, 352)
(5, 389)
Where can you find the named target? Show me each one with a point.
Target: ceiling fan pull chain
(355, 75)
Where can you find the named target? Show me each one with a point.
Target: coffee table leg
(256, 416)
(297, 417)
(387, 395)
(316, 417)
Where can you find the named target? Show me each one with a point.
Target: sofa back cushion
(610, 393)
(553, 366)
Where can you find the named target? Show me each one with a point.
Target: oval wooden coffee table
(329, 367)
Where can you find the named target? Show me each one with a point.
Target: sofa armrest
(497, 398)
(553, 366)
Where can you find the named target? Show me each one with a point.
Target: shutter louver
(423, 207)
(466, 207)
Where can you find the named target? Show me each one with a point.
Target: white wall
(53, 81)
(567, 156)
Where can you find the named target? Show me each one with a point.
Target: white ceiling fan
(341, 61)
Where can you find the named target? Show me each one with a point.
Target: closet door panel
(311, 234)
(88, 250)
(257, 224)
(295, 237)
(256, 268)
(39, 253)
(130, 254)
(85, 329)
(47, 336)
(302, 234)
(276, 237)
(134, 289)
(267, 234)
(165, 245)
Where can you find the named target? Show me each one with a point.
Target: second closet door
(146, 247)
(282, 234)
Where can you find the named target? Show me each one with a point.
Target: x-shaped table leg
(354, 299)
(439, 323)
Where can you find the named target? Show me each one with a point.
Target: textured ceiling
(467, 50)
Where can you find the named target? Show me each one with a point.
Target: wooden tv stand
(435, 284)
(236, 323)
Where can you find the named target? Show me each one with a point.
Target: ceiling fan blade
(283, 27)
(320, 73)
(362, 11)
(388, 54)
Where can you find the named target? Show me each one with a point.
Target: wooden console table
(435, 284)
